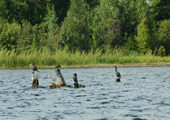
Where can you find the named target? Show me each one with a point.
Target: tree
(9, 33)
(132, 12)
(143, 37)
(161, 9)
(111, 33)
(92, 3)
(164, 35)
(105, 16)
(33, 11)
(129, 22)
(27, 37)
(60, 7)
(53, 41)
(75, 28)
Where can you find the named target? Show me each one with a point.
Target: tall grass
(45, 57)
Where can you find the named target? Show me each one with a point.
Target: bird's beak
(59, 67)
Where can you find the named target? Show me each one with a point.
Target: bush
(9, 34)
(164, 35)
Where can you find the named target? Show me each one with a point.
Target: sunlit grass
(44, 57)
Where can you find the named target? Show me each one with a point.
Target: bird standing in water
(75, 78)
(57, 69)
(33, 67)
(117, 73)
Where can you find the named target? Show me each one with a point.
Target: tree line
(85, 25)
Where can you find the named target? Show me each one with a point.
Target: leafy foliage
(143, 37)
(31, 10)
(53, 41)
(161, 9)
(111, 33)
(105, 25)
(164, 35)
(75, 28)
(9, 34)
(85, 25)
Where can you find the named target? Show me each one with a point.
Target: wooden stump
(78, 85)
(54, 84)
(35, 83)
(61, 80)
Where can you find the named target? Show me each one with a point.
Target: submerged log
(67, 85)
(117, 80)
(35, 83)
(78, 85)
(54, 84)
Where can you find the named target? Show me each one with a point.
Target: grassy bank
(45, 58)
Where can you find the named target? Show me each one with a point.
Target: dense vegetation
(83, 27)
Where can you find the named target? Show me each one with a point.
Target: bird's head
(75, 74)
(58, 66)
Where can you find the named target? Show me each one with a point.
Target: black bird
(75, 78)
(57, 69)
(117, 73)
(33, 67)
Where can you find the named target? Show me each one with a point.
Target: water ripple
(142, 94)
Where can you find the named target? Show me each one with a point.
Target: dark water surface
(143, 93)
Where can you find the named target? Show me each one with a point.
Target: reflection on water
(143, 93)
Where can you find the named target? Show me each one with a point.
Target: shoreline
(95, 65)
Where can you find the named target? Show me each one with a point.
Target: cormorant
(33, 67)
(57, 69)
(117, 73)
(75, 78)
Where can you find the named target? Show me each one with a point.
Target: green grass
(43, 58)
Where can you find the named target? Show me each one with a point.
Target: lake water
(143, 94)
